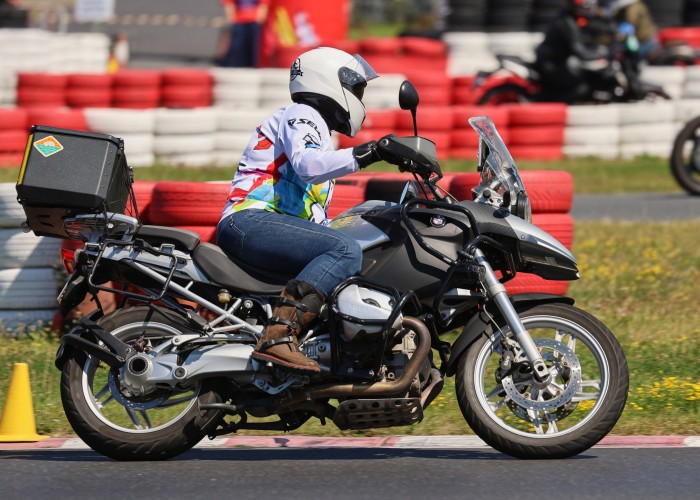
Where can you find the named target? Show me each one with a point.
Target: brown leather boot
(300, 303)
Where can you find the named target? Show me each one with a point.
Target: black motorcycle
(536, 377)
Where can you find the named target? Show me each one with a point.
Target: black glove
(366, 154)
(385, 152)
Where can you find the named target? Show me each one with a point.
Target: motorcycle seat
(234, 275)
(157, 235)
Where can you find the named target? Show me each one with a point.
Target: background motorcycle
(536, 377)
(685, 157)
(612, 79)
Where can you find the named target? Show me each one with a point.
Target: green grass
(591, 175)
(640, 279)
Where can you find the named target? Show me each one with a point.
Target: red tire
(499, 116)
(538, 135)
(11, 160)
(381, 45)
(186, 77)
(380, 119)
(143, 192)
(186, 96)
(550, 191)
(136, 78)
(537, 114)
(83, 97)
(561, 226)
(530, 283)
(58, 117)
(430, 118)
(29, 97)
(13, 119)
(460, 185)
(364, 135)
(425, 47)
(468, 138)
(124, 97)
(188, 203)
(207, 234)
(345, 196)
(13, 141)
(90, 80)
(42, 80)
(536, 152)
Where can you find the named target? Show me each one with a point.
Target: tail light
(68, 259)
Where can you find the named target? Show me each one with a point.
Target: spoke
(145, 418)
(536, 421)
(172, 402)
(551, 423)
(587, 396)
(100, 398)
(135, 420)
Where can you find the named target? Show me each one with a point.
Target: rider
(275, 216)
(566, 37)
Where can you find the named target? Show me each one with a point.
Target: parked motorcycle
(536, 377)
(685, 157)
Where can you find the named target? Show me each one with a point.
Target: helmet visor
(355, 75)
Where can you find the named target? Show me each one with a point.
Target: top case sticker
(48, 146)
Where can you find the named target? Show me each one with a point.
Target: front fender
(480, 323)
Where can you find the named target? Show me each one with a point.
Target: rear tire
(685, 157)
(95, 407)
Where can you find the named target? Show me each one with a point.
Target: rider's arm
(576, 45)
(307, 143)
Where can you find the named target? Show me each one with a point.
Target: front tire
(557, 419)
(505, 94)
(156, 426)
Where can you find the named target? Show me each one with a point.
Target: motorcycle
(536, 377)
(611, 79)
(685, 157)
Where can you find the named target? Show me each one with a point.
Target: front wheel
(685, 157)
(120, 424)
(565, 415)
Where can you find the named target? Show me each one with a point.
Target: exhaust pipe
(378, 389)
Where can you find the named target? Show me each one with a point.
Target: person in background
(636, 13)
(275, 217)
(570, 36)
(246, 18)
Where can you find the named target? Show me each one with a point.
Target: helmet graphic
(333, 81)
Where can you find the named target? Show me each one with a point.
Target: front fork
(496, 290)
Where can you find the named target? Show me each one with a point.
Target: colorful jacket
(289, 166)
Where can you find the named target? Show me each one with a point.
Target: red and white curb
(416, 442)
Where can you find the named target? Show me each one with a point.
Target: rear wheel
(123, 426)
(561, 417)
(685, 157)
(504, 94)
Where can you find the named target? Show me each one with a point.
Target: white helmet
(334, 82)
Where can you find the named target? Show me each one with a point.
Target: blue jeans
(244, 46)
(319, 255)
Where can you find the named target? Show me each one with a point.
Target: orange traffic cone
(17, 420)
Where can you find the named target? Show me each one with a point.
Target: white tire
(185, 121)
(236, 76)
(231, 141)
(18, 249)
(593, 136)
(607, 151)
(233, 93)
(692, 90)
(116, 121)
(17, 322)
(687, 109)
(137, 144)
(142, 160)
(198, 159)
(240, 120)
(647, 112)
(175, 144)
(28, 288)
(647, 132)
(227, 158)
(11, 212)
(663, 75)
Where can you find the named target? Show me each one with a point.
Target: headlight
(523, 209)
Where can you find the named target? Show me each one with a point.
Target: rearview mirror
(408, 100)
